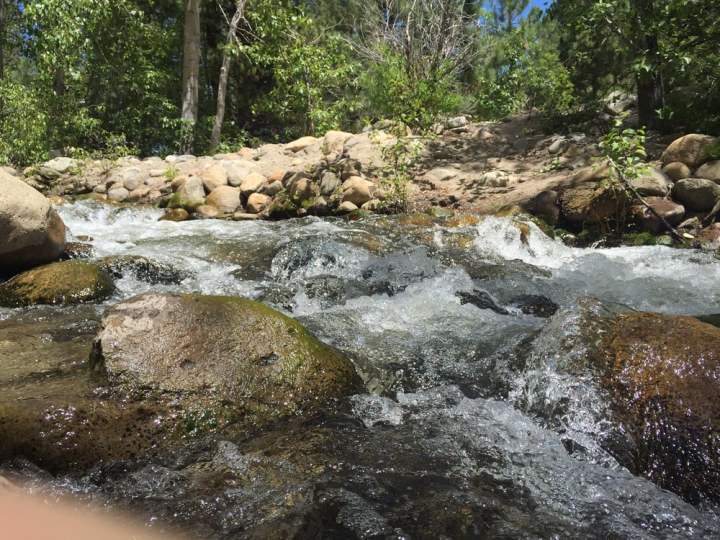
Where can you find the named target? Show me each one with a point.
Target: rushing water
(450, 441)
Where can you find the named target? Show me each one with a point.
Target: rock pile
(335, 174)
(683, 188)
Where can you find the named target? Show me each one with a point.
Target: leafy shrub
(391, 93)
(23, 125)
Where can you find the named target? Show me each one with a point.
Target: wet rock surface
(67, 282)
(231, 350)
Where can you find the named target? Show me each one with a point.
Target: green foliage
(390, 92)
(522, 71)
(400, 159)
(314, 77)
(22, 125)
(626, 149)
(670, 47)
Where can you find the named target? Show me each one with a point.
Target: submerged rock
(68, 282)
(225, 350)
(31, 233)
(141, 268)
(77, 250)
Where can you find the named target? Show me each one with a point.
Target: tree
(507, 12)
(416, 53)
(191, 72)
(225, 73)
(2, 40)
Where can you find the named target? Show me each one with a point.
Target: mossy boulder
(229, 352)
(593, 203)
(67, 282)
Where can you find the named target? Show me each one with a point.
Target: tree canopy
(112, 77)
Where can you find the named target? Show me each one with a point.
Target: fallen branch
(630, 188)
(711, 216)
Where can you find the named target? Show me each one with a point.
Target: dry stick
(709, 218)
(629, 186)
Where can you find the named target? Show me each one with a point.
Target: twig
(630, 187)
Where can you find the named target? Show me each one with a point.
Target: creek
(451, 440)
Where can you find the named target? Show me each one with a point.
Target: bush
(23, 125)
(389, 92)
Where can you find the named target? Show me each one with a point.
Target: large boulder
(333, 143)
(244, 354)
(677, 171)
(252, 183)
(592, 203)
(67, 282)
(60, 165)
(697, 194)
(257, 202)
(662, 374)
(31, 233)
(692, 150)
(189, 195)
(301, 144)
(645, 384)
(357, 190)
(214, 177)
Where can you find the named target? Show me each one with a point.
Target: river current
(450, 441)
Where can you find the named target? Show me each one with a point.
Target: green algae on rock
(65, 283)
(218, 350)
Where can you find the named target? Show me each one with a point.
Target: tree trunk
(650, 91)
(2, 39)
(191, 69)
(224, 75)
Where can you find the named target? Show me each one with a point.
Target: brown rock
(276, 175)
(592, 203)
(662, 373)
(257, 202)
(252, 183)
(206, 211)
(709, 237)
(300, 144)
(175, 214)
(225, 198)
(677, 171)
(357, 190)
(213, 177)
(672, 212)
(691, 150)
